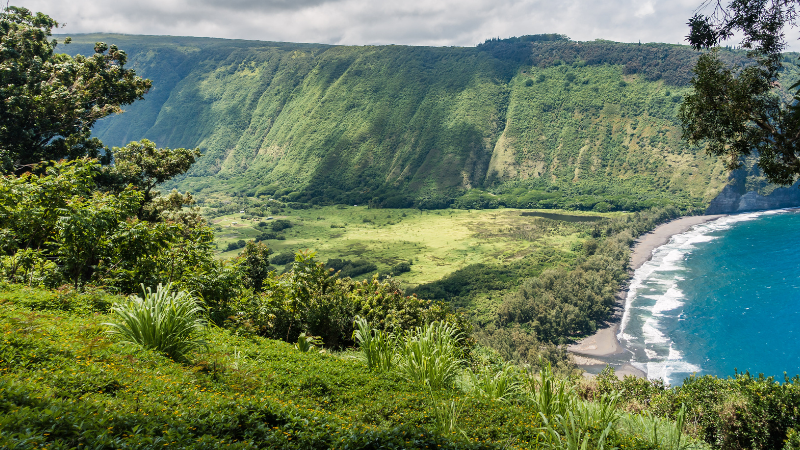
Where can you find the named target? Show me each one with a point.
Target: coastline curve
(604, 346)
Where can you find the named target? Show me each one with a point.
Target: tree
(738, 111)
(48, 101)
(144, 166)
(254, 262)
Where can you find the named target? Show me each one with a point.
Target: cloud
(646, 9)
(362, 22)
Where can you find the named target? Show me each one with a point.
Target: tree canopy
(49, 101)
(737, 111)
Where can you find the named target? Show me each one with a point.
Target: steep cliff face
(733, 200)
(538, 120)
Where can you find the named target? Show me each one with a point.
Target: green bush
(254, 265)
(235, 245)
(401, 268)
(58, 226)
(281, 224)
(348, 268)
(165, 321)
(311, 299)
(792, 440)
(282, 258)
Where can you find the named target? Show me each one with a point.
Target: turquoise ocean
(723, 296)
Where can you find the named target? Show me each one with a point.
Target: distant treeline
(655, 61)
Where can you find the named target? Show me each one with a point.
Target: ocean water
(723, 296)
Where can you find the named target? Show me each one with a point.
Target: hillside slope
(399, 126)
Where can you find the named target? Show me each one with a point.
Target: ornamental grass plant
(445, 414)
(429, 355)
(167, 321)
(377, 348)
(550, 395)
(659, 432)
(501, 385)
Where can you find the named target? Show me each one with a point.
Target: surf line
(653, 296)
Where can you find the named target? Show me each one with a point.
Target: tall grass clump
(502, 385)
(568, 433)
(164, 320)
(377, 348)
(429, 355)
(570, 423)
(658, 432)
(445, 414)
(549, 395)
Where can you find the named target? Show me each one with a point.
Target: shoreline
(604, 342)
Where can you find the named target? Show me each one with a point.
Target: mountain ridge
(398, 126)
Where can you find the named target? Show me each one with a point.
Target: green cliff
(538, 121)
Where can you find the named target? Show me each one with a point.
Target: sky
(367, 22)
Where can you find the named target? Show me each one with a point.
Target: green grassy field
(437, 243)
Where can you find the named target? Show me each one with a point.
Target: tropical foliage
(312, 299)
(248, 392)
(167, 321)
(738, 110)
(58, 227)
(50, 100)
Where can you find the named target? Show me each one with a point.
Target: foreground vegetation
(67, 383)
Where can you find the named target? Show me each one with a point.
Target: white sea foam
(674, 354)
(666, 368)
(627, 337)
(653, 293)
(651, 333)
(669, 301)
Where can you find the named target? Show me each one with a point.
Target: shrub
(280, 225)
(235, 245)
(403, 267)
(254, 264)
(792, 440)
(266, 236)
(282, 258)
(164, 321)
(348, 268)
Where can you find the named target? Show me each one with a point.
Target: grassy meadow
(437, 243)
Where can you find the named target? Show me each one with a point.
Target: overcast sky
(359, 22)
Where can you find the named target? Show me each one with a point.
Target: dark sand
(604, 343)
